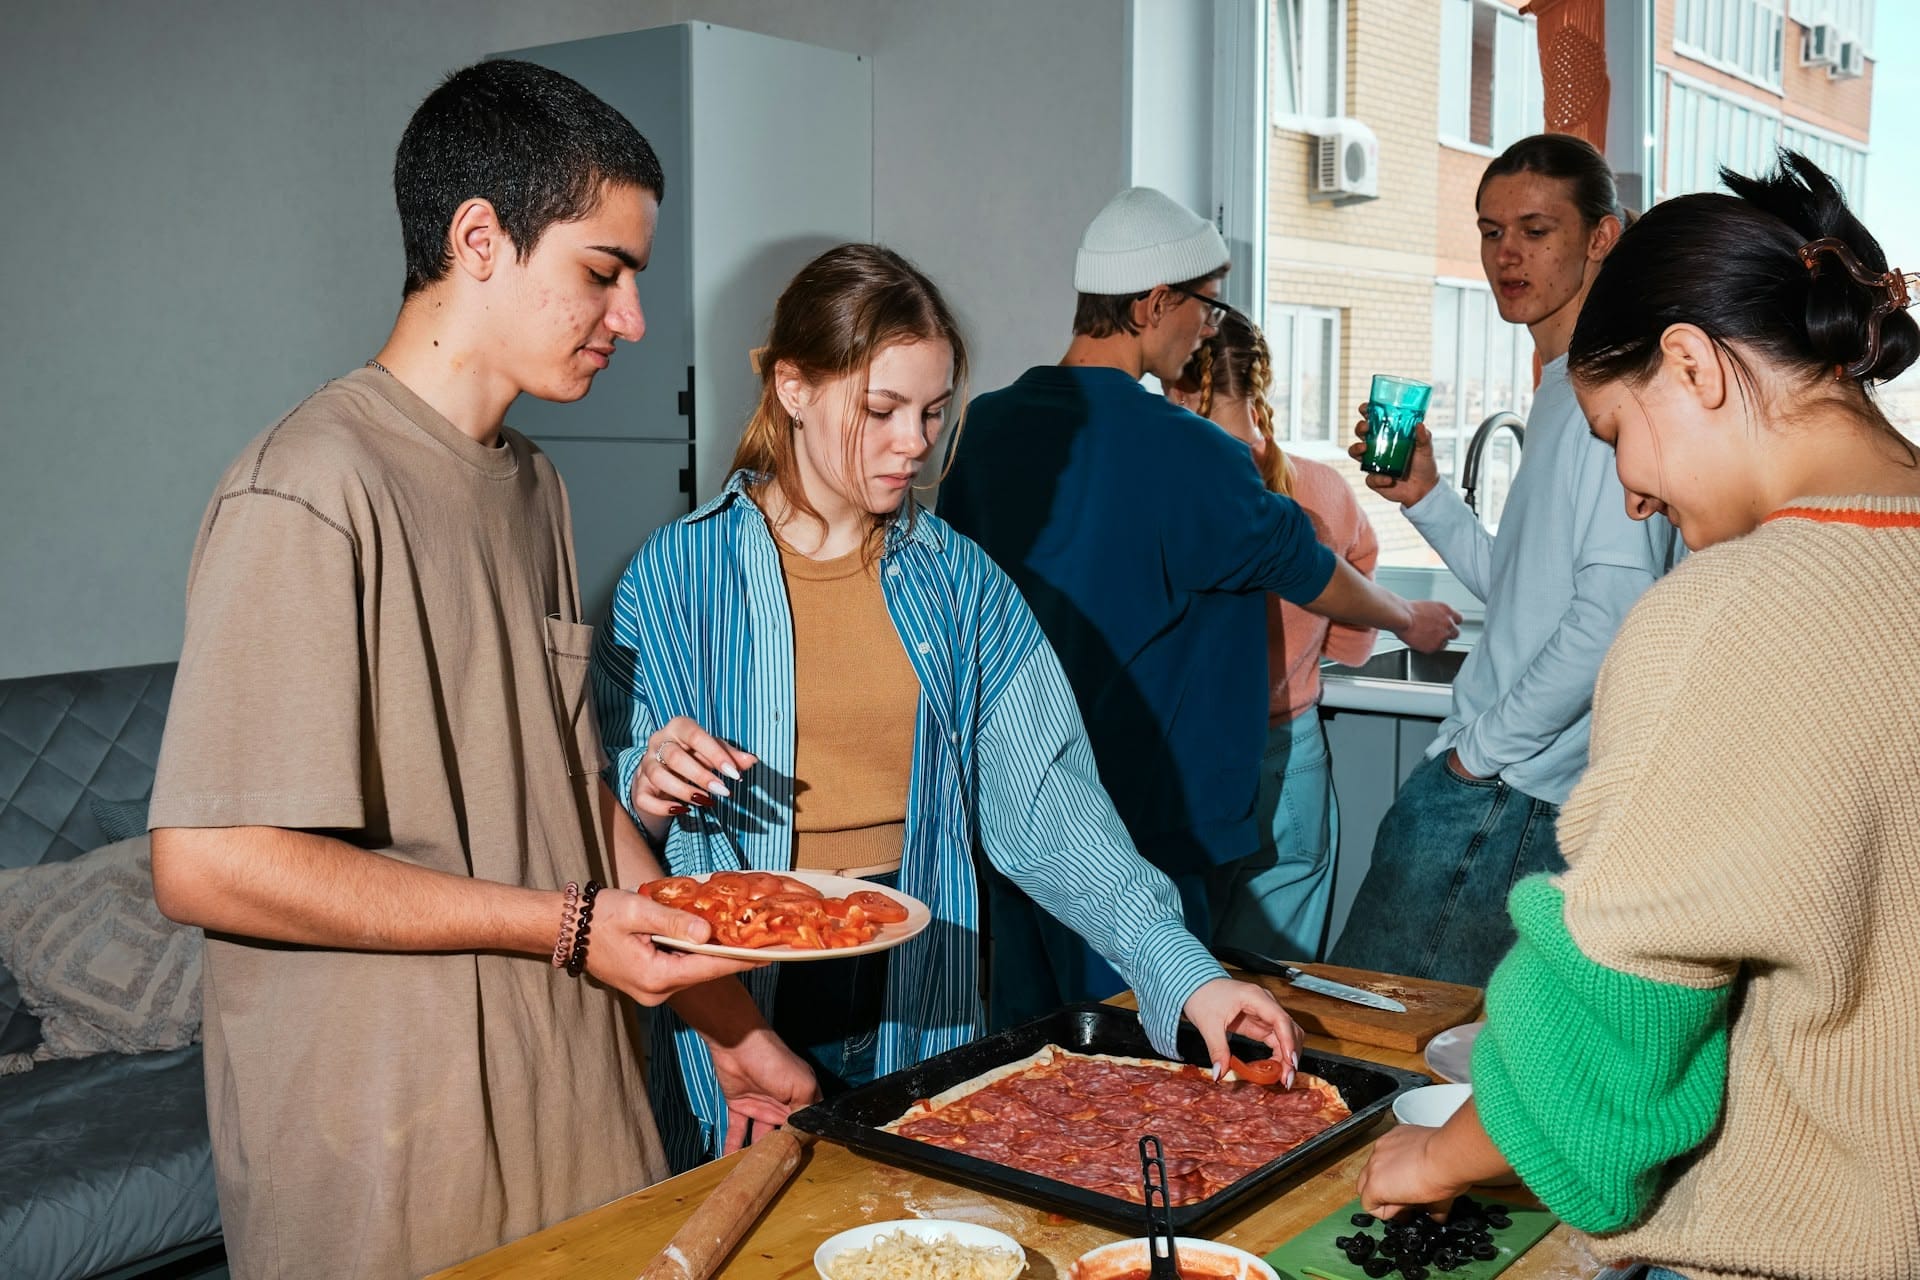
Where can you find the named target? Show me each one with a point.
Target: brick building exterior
(1393, 284)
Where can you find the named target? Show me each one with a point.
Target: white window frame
(1301, 313)
(1460, 430)
(1742, 27)
(1853, 17)
(1318, 29)
(1510, 25)
(1768, 127)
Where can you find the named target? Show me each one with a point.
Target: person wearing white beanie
(1146, 544)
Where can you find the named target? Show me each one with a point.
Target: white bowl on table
(1431, 1106)
(1131, 1255)
(970, 1233)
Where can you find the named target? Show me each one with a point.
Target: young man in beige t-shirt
(379, 772)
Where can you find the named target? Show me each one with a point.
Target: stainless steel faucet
(1482, 435)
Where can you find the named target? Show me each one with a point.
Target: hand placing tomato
(1267, 1071)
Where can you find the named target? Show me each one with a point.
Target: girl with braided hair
(1277, 901)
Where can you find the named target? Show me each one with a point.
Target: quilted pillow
(96, 961)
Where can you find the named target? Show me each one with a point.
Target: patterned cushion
(95, 959)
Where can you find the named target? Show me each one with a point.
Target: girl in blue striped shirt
(741, 711)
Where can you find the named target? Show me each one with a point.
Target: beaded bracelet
(577, 962)
(570, 903)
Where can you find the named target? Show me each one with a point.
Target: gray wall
(200, 232)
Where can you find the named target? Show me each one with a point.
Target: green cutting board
(1314, 1247)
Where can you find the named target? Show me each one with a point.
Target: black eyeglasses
(1216, 309)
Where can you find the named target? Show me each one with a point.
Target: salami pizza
(1078, 1118)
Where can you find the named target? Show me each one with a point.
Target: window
(1845, 161)
(1741, 37)
(1481, 365)
(1853, 17)
(1490, 89)
(1305, 343)
(1706, 128)
(1309, 44)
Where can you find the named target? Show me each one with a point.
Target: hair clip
(1892, 285)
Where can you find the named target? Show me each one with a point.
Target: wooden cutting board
(1432, 1007)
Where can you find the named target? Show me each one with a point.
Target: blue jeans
(1275, 903)
(1434, 903)
(829, 1012)
(1639, 1271)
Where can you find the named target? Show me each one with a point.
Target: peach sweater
(1296, 639)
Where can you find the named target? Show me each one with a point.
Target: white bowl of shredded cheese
(920, 1249)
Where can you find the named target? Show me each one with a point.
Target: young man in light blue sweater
(1557, 580)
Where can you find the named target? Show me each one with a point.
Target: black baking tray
(853, 1119)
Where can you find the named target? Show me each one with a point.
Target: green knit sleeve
(1590, 1080)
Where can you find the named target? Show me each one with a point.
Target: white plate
(890, 935)
(1450, 1054)
(927, 1229)
(1130, 1255)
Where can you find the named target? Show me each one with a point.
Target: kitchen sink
(1404, 665)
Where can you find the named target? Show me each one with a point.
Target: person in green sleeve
(1712, 1009)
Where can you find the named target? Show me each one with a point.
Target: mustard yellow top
(855, 702)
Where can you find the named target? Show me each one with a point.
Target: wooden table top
(836, 1188)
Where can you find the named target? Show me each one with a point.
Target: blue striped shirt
(700, 627)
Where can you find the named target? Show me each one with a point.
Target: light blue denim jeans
(1276, 902)
(1434, 903)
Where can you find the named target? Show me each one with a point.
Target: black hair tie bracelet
(577, 962)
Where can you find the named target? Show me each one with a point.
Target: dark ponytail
(1732, 265)
(1572, 160)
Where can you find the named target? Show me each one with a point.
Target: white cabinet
(1372, 754)
(767, 148)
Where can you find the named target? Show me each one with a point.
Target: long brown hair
(1234, 364)
(840, 312)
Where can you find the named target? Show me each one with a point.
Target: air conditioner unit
(1820, 47)
(1851, 64)
(1346, 161)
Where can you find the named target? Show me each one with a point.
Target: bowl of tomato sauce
(1199, 1260)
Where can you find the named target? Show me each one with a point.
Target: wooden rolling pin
(704, 1240)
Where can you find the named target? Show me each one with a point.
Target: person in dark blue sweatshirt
(1144, 541)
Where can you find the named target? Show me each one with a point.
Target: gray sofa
(105, 1165)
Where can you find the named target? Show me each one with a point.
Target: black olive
(1343, 1243)
(1414, 1273)
(1377, 1267)
(1362, 1219)
(1485, 1252)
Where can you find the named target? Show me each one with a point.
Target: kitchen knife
(1298, 977)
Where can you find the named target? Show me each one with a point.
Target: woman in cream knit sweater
(1700, 1050)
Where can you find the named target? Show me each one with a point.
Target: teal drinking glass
(1395, 408)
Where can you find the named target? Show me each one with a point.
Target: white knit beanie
(1145, 238)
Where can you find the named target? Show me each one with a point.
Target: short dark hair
(1101, 315)
(533, 143)
(1573, 160)
(1732, 265)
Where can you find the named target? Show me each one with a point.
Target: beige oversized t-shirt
(383, 643)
